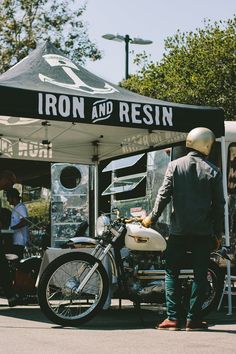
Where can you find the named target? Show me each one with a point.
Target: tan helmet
(200, 139)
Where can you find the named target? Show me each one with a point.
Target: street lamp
(127, 40)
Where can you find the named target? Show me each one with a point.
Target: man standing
(19, 222)
(7, 180)
(195, 187)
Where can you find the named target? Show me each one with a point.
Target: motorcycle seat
(11, 257)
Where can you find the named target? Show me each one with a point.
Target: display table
(6, 232)
(52, 253)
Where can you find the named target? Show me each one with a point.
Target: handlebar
(133, 219)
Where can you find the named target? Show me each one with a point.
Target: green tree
(27, 23)
(197, 68)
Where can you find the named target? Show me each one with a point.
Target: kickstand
(137, 307)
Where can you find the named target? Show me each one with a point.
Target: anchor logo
(79, 85)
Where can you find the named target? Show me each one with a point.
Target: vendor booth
(53, 110)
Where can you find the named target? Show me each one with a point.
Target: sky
(147, 19)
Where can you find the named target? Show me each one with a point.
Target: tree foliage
(39, 211)
(26, 23)
(197, 68)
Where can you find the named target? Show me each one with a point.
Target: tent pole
(95, 193)
(95, 160)
(227, 237)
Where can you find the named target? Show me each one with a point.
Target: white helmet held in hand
(200, 139)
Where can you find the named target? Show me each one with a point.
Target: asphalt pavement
(25, 330)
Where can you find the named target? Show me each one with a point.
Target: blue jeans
(176, 249)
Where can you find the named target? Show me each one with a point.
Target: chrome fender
(83, 240)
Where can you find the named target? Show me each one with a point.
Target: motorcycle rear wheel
(215, 282)
(57, 295)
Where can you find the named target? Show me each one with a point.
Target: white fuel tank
(139, 238)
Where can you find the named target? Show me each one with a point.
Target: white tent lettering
(62, 105)
(34, 150)
(101, 110)
(146, 114)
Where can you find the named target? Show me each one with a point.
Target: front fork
(99, 253)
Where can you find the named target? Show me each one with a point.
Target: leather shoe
(169, 325)
(192, 325)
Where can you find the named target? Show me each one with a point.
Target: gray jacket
(195, 187)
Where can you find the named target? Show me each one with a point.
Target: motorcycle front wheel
(58, 294)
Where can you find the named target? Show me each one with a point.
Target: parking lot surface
(25, 330)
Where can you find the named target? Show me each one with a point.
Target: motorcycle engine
(139, 260)
(145, 284)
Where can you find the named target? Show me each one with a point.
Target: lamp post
(127, 40)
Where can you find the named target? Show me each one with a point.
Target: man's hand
(218, 244)
(146, 222)
(215, 243)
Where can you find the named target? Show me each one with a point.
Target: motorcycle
(23, 274)
(75, 286)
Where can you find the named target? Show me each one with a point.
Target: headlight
(101, 224)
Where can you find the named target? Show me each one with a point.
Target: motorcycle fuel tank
(139, 238)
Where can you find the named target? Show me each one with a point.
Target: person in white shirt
(7, 180)
(19, 223)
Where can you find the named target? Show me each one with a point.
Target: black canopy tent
(53, 110)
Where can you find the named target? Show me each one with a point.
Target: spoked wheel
(73, 289)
